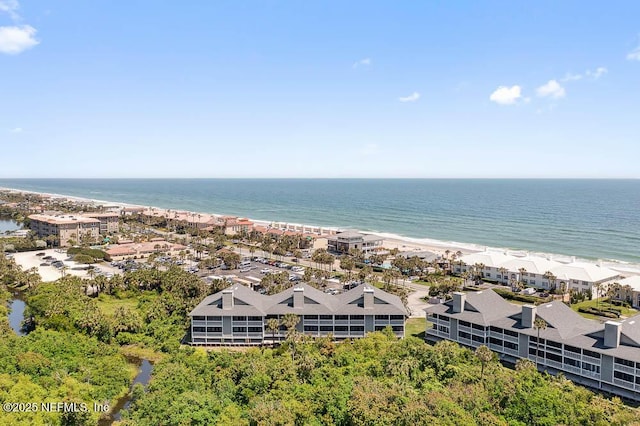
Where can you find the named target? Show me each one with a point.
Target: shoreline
(402, 243)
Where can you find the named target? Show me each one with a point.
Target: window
(357, 328)
(477, 338)
(397, 328)
(255, 318)
(239, 318)
(554, 357)
(214, 329)
(255, 329)
(495, 341)
(326, 328)
(626, 362)
(554, 344)
(198, 318)
(443, 329)
(572, 362)
(326, 317)
(591, 354)
(571, 349)
(590, 367)
(510, 333)
(623, 376)
(342, 317)
(464, 335)
(382, 317)
(512, 346)
(214, 318)
(239, 329)
(199, 329)
(357, 317)
(477, 327)
(311, 317)
(465, 323)
(310, 328)
(495, 329)
(342, 328)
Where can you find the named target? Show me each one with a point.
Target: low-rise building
(239, 315)
(141, 250)
(601, 356)
(535, 271)
(346, 241)
(109, 222)
(66, 228)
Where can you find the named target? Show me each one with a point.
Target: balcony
(625, 369)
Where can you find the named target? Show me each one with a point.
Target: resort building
(239, 315)
(602, 356)
(66, 229)
(141, 250)
(109, 222)
(629, 290)
(534, 271)
(345, 241)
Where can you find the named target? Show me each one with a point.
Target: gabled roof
(565, 320)
(633, 281)
(248, 302)
(480, 307)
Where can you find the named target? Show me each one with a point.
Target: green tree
(484, 355)
(539, 324)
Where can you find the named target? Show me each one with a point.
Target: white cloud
(571, 77)
(634, 55)
(363, 63)
(411, 98)
(9, 7)
(16, 130)
(551, 89)
(594, 75)
(504, 95)
(14, 40)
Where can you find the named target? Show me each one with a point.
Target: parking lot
(52, 263)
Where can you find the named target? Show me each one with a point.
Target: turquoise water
(593, 219)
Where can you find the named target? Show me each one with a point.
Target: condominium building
(66, 228)
(346, 241)
(534, 271)
(239, 315)
(109, 222)
(602, 356)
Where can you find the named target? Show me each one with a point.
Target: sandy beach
(391, 241)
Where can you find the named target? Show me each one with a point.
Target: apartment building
(601, 356)
(533, 270)
(345, 241)
(66, 228)
(239, 315)
(109, 222)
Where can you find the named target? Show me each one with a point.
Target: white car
(265, 271)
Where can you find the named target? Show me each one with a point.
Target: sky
(319, 89)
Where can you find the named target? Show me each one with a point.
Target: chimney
(612, 334)
(298, 297)
(528, 315)
(227, 299)
(368, 298)
(458, 302)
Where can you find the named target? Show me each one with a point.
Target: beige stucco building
(66, 228)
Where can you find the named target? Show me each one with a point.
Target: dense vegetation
(76, 353)
(373, 381)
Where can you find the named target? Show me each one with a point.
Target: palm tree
(484, 355)
(539, 324)
(290, 321)
(273, 325)
(522, 272)
(503, 273)
(551, 278)
(598, 288)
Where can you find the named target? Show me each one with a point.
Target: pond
(8, 225)
(16, 313)
(144, 375)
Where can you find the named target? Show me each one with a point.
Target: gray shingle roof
(250, 303)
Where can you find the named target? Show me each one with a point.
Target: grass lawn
(109, 304)
(602, 303)
(415, 327)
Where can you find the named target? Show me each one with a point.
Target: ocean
(589, 219)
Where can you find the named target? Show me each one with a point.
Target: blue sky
(319, 89)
